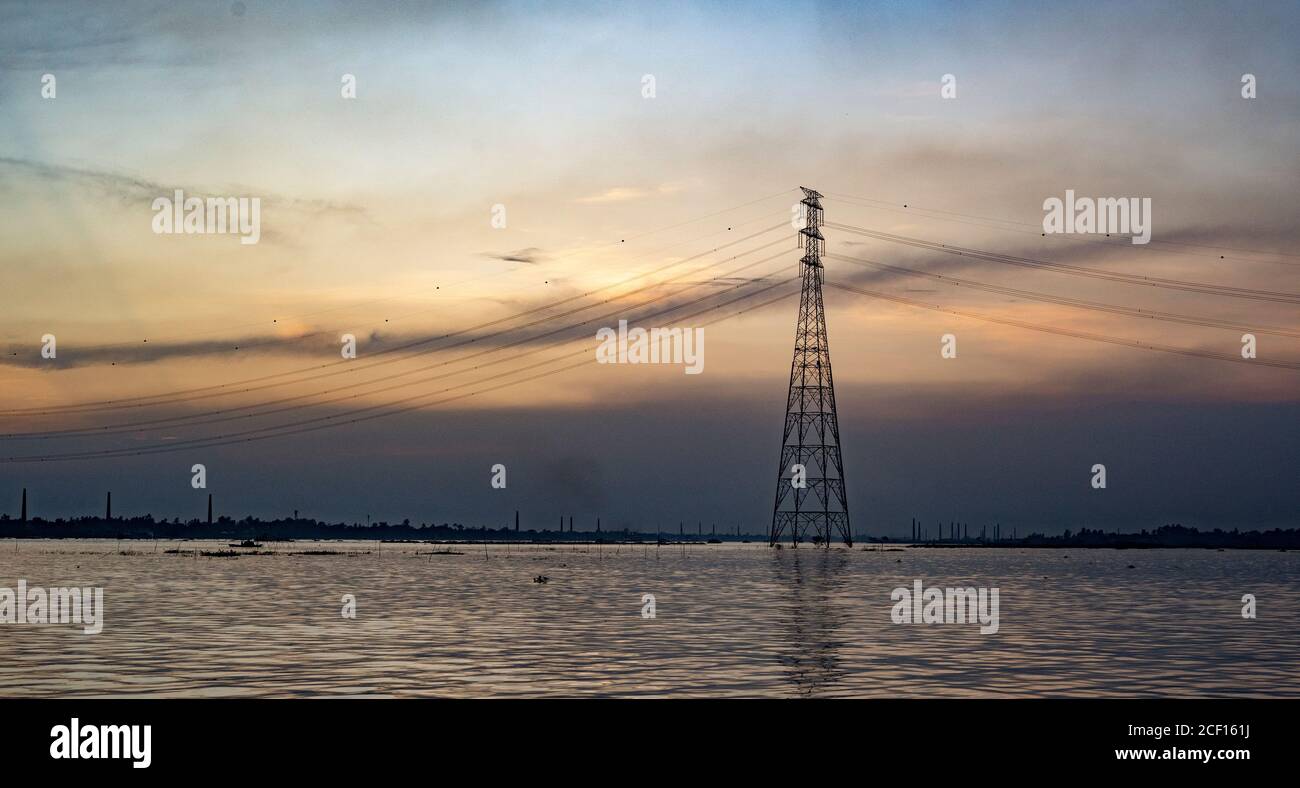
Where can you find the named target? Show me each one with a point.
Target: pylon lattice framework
(812, 432)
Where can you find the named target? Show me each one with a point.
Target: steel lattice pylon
(812, 430)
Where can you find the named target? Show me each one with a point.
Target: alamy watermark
(1102, 215)
(54, 605)
(637, 345)
(179, 214)
(92, 742)
(935, 605)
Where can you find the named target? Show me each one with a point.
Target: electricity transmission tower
(814, 499)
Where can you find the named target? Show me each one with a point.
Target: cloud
(144, 352)
(531, 255)
(125, 187)
(131, 188)
(323, 344)
(136, 33)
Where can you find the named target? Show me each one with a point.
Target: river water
(730, 620)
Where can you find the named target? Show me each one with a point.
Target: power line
(200, 419)
(1076, 270)
(312, 425)
(1098, 306)
(290, 340)
(986, 221)
(469, 341)
(1069, 332)
(185, 394)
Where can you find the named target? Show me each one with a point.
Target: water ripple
(734, 620)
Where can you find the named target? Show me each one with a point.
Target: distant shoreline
(301, 529)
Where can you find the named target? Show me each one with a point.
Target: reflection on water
(809, 616)
(738, 620)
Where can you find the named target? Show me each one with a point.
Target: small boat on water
(245, 543)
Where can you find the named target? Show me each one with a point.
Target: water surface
(731, 620)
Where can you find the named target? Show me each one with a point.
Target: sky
(380, 217)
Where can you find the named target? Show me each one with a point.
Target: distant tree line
(146, 527)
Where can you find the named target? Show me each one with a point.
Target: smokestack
(209, 508)
(516, 521)
(597, 525)
(24, 504)
(108, 506)
(570, 523)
